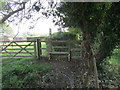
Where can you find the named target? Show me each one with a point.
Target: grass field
(22, 72)
(44, 51)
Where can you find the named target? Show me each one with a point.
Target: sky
(42, 27)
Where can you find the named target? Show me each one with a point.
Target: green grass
(44, 51)
(22, 72)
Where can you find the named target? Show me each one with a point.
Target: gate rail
(18, 48)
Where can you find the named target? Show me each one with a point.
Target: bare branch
(11, 13)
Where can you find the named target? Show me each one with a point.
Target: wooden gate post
(35, 51)
(39, 52)
(69, 47)
(50, 41)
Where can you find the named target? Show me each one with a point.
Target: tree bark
(95, 71)
(87, 57)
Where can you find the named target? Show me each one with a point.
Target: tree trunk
(86, 46)
(89, 60)
(95, 71)
(86, 56)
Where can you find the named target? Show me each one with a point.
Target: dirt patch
(70, 68)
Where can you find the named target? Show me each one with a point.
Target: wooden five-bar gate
(18, 49)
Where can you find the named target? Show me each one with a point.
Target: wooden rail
(33, 48)
(60, 47)
(18, 49)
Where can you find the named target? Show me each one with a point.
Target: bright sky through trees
(41, 25)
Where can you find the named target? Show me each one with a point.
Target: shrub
(108, 71)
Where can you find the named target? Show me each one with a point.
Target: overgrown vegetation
(22, 72)
(98, 23)
(109, 70)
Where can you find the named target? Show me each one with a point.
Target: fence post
(50, 35)
(50, 45)
(35, 51)
(69, 47)
(39, 48)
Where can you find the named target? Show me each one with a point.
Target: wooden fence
(65, 47)
(34, 48)
(18, 49)
(60, 47)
